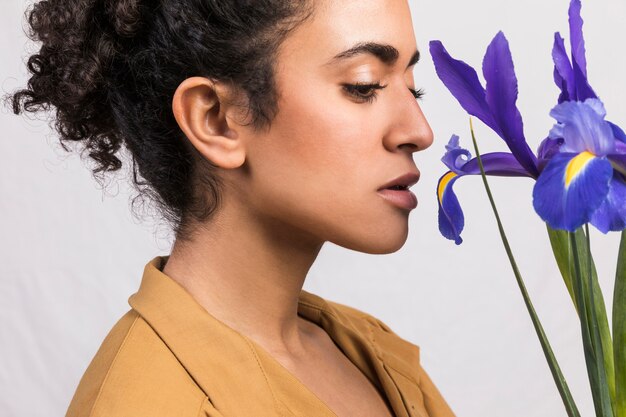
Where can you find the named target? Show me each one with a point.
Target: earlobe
(201, 107)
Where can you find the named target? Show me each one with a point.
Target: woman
(262, 129)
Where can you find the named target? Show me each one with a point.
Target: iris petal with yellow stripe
(583, 182)
(571, 188)
(576, 166)
(460, 163)
(451, 220)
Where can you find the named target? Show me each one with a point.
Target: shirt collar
(222, 361)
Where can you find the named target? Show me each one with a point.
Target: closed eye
(366, 92)
(418, 94)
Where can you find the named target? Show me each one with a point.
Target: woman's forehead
(341, 29)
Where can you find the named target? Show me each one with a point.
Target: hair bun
(108, 70)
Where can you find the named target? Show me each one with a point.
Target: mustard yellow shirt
(168, 357)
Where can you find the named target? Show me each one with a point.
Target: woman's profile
(261, 129)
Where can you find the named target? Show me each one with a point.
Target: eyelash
(356, 90)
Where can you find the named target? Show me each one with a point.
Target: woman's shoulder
(393, 349)
(134, 373)
(344, 313)
(401, 358)
(357, 315)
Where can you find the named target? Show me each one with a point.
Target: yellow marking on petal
(443, 183)
(576, 166)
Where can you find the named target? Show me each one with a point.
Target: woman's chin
(381, 242)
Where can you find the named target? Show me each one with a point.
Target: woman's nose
(409, 127)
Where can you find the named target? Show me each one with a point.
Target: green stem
(619, 329)
(561, 384)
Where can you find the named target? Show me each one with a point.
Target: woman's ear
(204, 112)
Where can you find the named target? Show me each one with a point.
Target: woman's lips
(401, 198)
(406, 180)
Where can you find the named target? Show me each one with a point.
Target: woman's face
(317, 170)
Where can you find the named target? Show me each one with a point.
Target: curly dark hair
(110, 69)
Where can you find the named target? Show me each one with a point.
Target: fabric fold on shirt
(238, 377)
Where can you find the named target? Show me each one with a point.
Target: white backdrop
(71, 255)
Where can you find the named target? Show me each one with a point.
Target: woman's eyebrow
(384, 52)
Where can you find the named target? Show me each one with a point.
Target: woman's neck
(248, 274)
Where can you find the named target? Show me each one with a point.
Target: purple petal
(556, 132)
(620, 148)
(501, 164)
(547, 149)
(463, 83)
(571, 188)
(618, 132)
(618, 159)
(455, 156)
(563, 72)
(611, 215)
(579, 61)
(501, 96)
(583, 89)
(577, 40)
(451, 220)
(596, 105)
(584, 127)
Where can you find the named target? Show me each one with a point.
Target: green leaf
(583, 290)
(600, 341)
(597, 311)
(562, 248)
(619, 330)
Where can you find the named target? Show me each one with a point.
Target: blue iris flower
(580, 168)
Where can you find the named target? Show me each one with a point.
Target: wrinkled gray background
(71, 255)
